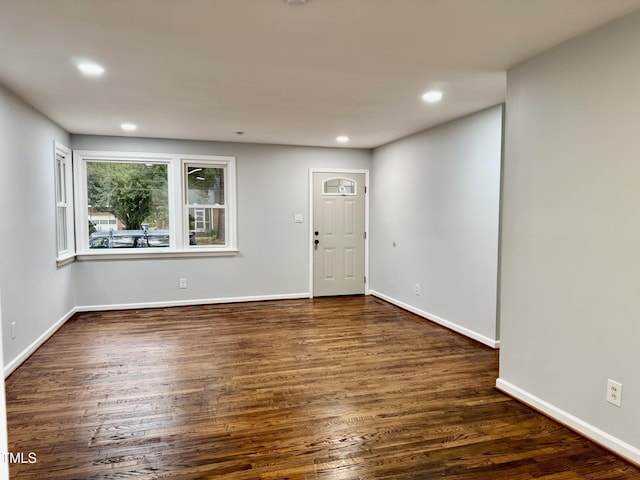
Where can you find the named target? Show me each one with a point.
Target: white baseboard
(26, 353)
(608, 441)
(19, 360)
(440, 321)
(186, 303)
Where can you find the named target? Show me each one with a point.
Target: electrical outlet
(13, 330)
(183, 283)
(614, 393)
(417, 289)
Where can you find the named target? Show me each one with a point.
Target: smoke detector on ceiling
(296, 2)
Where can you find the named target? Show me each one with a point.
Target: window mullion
(175, 204)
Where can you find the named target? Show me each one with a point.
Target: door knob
(316, 241)
(317, 233)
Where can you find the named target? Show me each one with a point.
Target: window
(65, 246)
(339, 186)
(133, 195)
(205, 203)
(140, 204)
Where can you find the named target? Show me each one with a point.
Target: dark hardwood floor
(334, 388)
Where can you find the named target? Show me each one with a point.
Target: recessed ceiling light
(342, 139)
(91, 69)
(432, 96)
(128, 127)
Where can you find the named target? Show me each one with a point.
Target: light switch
(297, 218)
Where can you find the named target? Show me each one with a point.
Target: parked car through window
(133, 239)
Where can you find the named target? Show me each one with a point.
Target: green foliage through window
(135, 193)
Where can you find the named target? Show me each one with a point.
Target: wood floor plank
(333, 388)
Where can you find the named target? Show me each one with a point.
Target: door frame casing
(340, 171)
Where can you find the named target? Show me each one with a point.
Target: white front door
(338, 233)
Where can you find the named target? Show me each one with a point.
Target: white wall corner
(27, 352)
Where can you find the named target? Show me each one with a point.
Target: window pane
(205, 186)
(128, 205)
(60, 181)
(339, 186)
(62, 228)
(206, 226)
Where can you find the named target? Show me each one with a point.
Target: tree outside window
(135, 194)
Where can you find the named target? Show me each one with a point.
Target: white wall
(570, 296)
(36, 294)
(273, 259)
(4, 447)
(436, 195)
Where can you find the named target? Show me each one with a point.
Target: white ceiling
(301, 75)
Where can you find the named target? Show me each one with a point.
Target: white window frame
(178, 212)
(229, 196)
(64, 213)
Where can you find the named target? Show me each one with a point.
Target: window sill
(67, 259)
(156, 254)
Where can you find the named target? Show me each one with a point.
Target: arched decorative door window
(339, 186)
